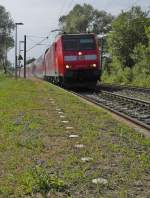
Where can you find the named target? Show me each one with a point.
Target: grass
(38, 157)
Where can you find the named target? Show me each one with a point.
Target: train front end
(81, 60)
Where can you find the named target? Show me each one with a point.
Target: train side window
(55, 46)
(46, 50)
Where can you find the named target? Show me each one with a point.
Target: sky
(41, 16)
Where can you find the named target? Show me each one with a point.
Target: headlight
(93, 65)
(68, 66)
(79, 53)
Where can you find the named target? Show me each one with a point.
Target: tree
(6, 40)
(141, 56)
(128, 29)
(85, 18)
(101, 22)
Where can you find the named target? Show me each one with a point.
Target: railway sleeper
(145, 116)
(147, 121)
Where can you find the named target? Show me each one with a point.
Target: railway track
(134, 110)
(133, 92)
(114, 87)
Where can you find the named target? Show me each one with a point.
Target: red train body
(73, 60)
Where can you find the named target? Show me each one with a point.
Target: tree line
(6, 40)
(129, 46)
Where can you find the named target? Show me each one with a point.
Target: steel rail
(97, 102)
(126, 97)
(121, 87)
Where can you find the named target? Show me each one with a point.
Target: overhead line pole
(25, 51)
(16, 51)
(16, 61)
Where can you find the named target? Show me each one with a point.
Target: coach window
(46, 50)
(55, 46)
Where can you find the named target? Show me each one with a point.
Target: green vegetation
(6, 40)
(37, 155)
(86, 18)
(129, 45)
(128, 29)
(38, 180)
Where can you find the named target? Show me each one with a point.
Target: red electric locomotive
(73, 60)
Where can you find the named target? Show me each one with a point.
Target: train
(73, 60)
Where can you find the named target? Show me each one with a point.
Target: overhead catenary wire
(38, 43)
(35, 36)
(31, 40)
(63, 10)
(70, 5)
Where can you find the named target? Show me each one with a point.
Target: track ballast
(135, 110)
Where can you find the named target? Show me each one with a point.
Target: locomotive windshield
(84, 42)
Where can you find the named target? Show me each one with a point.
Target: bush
(115, 73)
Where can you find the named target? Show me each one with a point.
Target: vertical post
(101, 52)
(19, 52)
(16, 62)
(19, 57)
(16, 52)
(6, 65)
(5, 61)
(25, 38)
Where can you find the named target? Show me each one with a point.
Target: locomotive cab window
(79, 43)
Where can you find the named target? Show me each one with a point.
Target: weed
(38, 180)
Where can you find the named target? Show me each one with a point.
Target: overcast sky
(41, 16)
